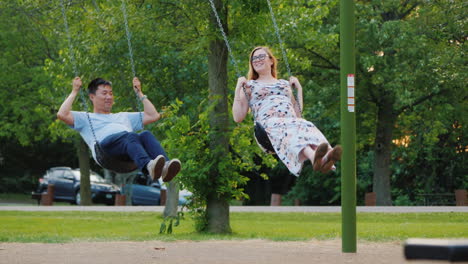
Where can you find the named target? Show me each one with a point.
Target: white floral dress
(272, 107)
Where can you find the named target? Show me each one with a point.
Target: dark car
(147, 192)
(143, 191)
(67, 186)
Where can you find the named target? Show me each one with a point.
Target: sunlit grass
(58, 227)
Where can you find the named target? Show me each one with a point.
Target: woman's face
(261, 62)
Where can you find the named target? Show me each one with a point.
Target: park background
(411, 96)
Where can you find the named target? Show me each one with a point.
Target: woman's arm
(240, 107)
(294, 82)
(64, 112)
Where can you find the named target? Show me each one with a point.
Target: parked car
(146, 192)
(143, 191)
(67, 186)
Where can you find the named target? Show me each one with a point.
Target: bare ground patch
(206, 252)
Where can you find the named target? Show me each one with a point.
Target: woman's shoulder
(251, 82)
(256, 82)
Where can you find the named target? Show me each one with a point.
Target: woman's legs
(322, 157)
(307, 153)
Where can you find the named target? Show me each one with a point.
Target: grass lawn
(58, 227)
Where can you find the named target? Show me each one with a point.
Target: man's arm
(150, 114)
(64, 113)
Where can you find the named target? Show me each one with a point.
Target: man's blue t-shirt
(105, 125)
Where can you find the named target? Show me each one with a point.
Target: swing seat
(262, 139)
(119, 164)
(436, 249)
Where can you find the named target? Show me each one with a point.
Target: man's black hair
(94, 84)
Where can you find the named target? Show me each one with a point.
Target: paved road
(311, 209)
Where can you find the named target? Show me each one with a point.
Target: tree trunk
(85, 184)
(383, 151)
(217, 210)
(217, 215)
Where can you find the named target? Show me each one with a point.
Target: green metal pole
(348, 127)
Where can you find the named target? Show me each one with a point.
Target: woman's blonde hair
(253, 75)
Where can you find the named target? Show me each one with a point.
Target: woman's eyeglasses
(260, 57)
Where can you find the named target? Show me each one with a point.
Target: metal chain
(130, 52)
(70, 44)
(285, 58)
(220, 25)
(283, 51)
(129, 37)
(226, 41)
(75, 69)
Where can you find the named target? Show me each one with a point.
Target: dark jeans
(140, 147)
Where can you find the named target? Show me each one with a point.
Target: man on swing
(115, 132)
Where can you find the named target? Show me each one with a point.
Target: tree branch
(408, 11)
(325, 66)
(331, 64)
(419, 101)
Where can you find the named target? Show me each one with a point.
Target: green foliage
(315, 188)
(188, 139)
(170, 221)
(24, 47)
(409, 62)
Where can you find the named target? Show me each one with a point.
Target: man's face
(103, 99)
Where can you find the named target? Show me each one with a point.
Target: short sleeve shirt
(105, 125)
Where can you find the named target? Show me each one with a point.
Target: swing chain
(75, 71)
(275, 25)
(220, 25)
(70, 44)
(283, 51)
(73, 61)
(130, 52)
(129, 37)
(226, 41)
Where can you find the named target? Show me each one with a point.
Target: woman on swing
(115, 132)
(293, 138)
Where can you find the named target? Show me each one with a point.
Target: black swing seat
(119, 164)
(262, 139)
(436, 249)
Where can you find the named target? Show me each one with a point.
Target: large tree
(217, 208)
(405, 59)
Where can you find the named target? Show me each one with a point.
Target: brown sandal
(319, 153)
(330, 158)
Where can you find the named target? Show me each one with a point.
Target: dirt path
(205, 252)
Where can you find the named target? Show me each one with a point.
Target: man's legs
(151, 145)
(129, 143)
(154, 148)
(145, 150)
